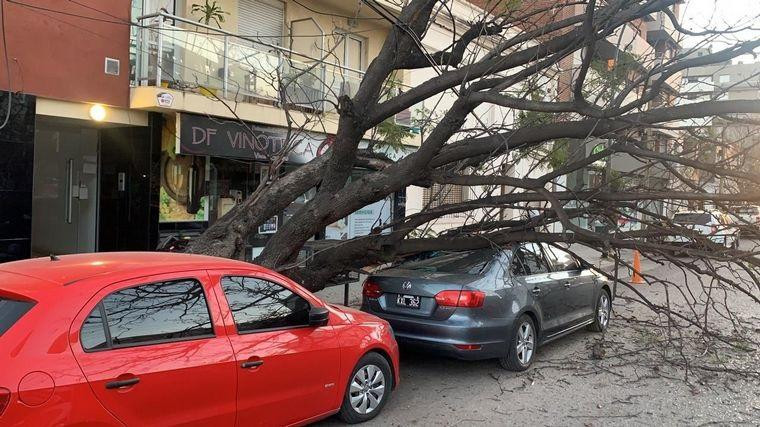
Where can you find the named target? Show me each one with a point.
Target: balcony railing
(178, 53)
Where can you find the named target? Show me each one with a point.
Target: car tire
(602, 312)
(521, 346)
(363, 385)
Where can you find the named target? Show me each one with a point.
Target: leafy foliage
(210, 12)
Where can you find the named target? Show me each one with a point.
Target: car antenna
(54, 258)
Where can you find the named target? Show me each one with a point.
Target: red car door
(155, 352)
(287, 370)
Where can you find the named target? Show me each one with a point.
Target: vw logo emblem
(407, 285)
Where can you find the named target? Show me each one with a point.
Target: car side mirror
(318, 316)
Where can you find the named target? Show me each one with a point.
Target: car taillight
(371, 289)
(5, 398)
(468, 299)
(468, 346)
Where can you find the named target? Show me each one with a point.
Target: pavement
(634, 374)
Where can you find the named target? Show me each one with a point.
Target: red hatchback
(165, 339)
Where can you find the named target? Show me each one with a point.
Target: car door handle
(251, 364)
(536, 291)
(122, 383)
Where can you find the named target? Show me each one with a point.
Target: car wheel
(602, 313)
(521, 345)
(369, 387)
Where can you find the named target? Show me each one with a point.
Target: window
(445, 194)
(528, 259)
(11, 311)
(165, 311)
(699, 218)
(262, 19)
(93, 333)
(724, 78)
(561, 260)
(468, 262)
(258, 304)
(350, 51)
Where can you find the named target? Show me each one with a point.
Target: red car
(165, 339)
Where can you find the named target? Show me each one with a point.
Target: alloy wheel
(603, 312)
(525, 343)
(367, 389)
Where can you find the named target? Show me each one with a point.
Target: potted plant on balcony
(209, 12)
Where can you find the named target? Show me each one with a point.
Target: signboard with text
(206, 136)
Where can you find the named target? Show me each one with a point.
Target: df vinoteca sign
(204, 136)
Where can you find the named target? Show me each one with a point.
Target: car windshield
(471, 262)
(748, 210)
(692, 218)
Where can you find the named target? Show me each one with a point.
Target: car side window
(148, 314)
(258, 304)
(561, 260)
(528, 259)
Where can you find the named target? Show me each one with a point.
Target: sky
(722, 14)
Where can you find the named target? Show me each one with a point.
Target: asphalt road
(582, 380)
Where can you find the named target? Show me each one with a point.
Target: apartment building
(133, 121)
(735, 143)
(631, 51)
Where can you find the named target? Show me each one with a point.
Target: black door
(128, 189)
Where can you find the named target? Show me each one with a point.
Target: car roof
(69, 269)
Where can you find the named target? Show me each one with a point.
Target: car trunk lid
(412, 292)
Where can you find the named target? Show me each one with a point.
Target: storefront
(207, 165)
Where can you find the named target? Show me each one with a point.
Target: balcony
(661, 28)
(176, 53)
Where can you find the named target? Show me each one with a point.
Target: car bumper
(442, 336)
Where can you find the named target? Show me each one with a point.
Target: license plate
(410, 301)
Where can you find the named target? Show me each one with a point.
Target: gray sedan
(490, 303)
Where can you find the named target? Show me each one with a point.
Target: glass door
(64, 204)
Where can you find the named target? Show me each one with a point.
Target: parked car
(715, 225)
(167, 339)
(490, 303)
(747, 219)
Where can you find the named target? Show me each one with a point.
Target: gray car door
(578, 284)
(530, 269)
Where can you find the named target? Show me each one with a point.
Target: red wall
(54, 55)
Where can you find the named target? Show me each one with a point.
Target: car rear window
(11, 311)
(691, 218)
(471, 262)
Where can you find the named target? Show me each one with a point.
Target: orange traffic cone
(636, 277)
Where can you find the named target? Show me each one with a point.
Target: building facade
(728, 142)
(69, 131)
(133, 122)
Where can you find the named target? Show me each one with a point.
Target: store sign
(269, 226)
(205, 136)
(165, 99)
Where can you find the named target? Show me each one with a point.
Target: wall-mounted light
(97, 112)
